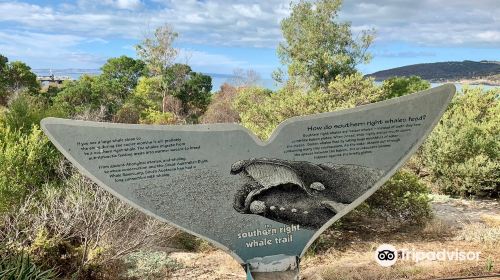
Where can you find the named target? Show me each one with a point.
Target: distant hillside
(444, 71)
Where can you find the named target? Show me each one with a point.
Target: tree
(20, 77)
(125, 70)
(221, 109)
(248, 77)
(16, 77)
(317, 47)
(77, 96)
(156, 50)
(191, 88)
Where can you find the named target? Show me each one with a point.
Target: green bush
(261, 110)
(402, 199)
(22, 113)
(463, 151)
(151, 116)
(21, 267)
(27, 162)
(399, 86)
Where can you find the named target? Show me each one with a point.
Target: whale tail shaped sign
(262, 202)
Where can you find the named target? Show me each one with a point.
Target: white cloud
(386, 53)
(429, 22)
(208, 22)
(238, 23)
(201, 58)
(55, 49)
(128, 4)
(255, 23)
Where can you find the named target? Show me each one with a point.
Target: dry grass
(358, 262)
(348, 253)
(478, 232)
(356, 259)
(491, 220)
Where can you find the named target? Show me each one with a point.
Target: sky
(218, 36)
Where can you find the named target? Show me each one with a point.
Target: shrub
(402, 199)
(262, 110)
(27, 162)
(128, 113)
(463, 151)
(151, 116)
(399, 86)
(221, 109)
(79, 228)
(23, 112)
(150, 265)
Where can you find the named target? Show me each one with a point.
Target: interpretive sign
(262, 202)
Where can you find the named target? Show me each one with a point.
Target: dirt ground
(464, 225)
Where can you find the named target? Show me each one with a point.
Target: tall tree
(317, 46)
(157, 50)
(125, 70)
(20, 77)
(191, 88)
(158, 53)
(245, 78)
(15, 77)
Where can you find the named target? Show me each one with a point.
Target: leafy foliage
(317, 47)
(186, 96)
(151, 116)
(191, 88)
(463, 151)
(261, 110)
(22, 267)
(20, 77)
(124, 70)
(403, 199)
(27, 162)
(24, 112)
(89, 94)
(399, 86)
(15, 77)
(156, 50)
(78, 96)
(3, 79)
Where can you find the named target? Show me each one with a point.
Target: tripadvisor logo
(386, 255)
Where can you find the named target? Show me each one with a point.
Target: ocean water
(217, 79)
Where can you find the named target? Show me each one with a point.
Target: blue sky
(218, 36)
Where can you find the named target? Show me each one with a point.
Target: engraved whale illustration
(299, 192)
